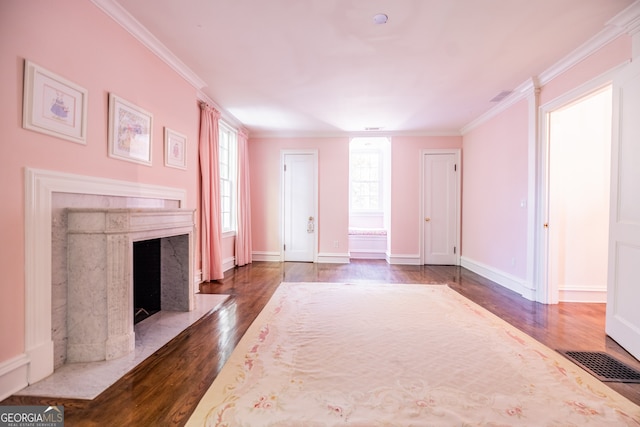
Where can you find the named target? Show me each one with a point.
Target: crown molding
(144, 36)
(347, 134)
(224, 114)
(521, 92)
(627, 21)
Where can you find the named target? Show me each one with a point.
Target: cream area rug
(328, 354)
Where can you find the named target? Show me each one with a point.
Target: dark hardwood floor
(166, 387)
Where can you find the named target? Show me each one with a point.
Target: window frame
(228, 167)
(353, 151)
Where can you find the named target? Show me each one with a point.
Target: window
(227, 141)
(366, 174)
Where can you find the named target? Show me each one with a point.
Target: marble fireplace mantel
(100, 274)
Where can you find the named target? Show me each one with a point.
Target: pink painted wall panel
(405, 189)
(494, 170)
(333, 191)
(76, 40)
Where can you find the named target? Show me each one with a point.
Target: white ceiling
(312, 67)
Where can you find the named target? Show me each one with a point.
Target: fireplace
(100, 270)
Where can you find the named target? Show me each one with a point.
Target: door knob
(427, 219)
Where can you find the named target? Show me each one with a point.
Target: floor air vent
(603, 366)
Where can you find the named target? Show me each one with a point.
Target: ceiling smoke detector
(380, 18)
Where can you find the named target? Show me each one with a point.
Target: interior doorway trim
(546, 292)
(456, 153)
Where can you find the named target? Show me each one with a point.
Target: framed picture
(175, 149)
(53, 105)
(130, 131)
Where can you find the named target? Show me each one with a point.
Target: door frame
(431, 151)
(283, 154)
(546, 292)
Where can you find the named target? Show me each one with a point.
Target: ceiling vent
(502, 95)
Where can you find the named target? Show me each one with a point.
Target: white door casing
(440, 229)
(623, 282)
(547, 291)
(299, 207)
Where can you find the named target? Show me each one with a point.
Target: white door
(623, 287)
(440, 207)
(299, 206)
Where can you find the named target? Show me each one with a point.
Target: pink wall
(405, 189)
(76, 40)
(333, 191)
(333, 159)
(494, 171)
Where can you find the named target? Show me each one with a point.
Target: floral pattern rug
(332, 354)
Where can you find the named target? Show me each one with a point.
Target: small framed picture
(175, 149)
(130, 131)
(53, 105)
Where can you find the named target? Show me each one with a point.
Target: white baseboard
(265, 256)
(228, 263)
(367, 255)
(403, 259)
(500, 277)
(13, 375)
(333, 258)
(574, 294)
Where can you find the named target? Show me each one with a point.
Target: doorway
(579, 153)
(299, 205)
(440, 223)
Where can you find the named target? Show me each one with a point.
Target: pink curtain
(210, 223)
(243, 236)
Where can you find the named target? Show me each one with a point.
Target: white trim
(503, 279)
(402, 259)
(13, 375)
(119, 14)
(332, 258)
(547, 292)
(285, 134)
(122, 17)
(532, 170)
(370, 254)
(456, 152)
(627, 21)
(224, 114)
(39, 188)
(519, 93)
(583, 295)
(228, 263)
(265, 256)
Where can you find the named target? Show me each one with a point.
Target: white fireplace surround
(37, 361)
